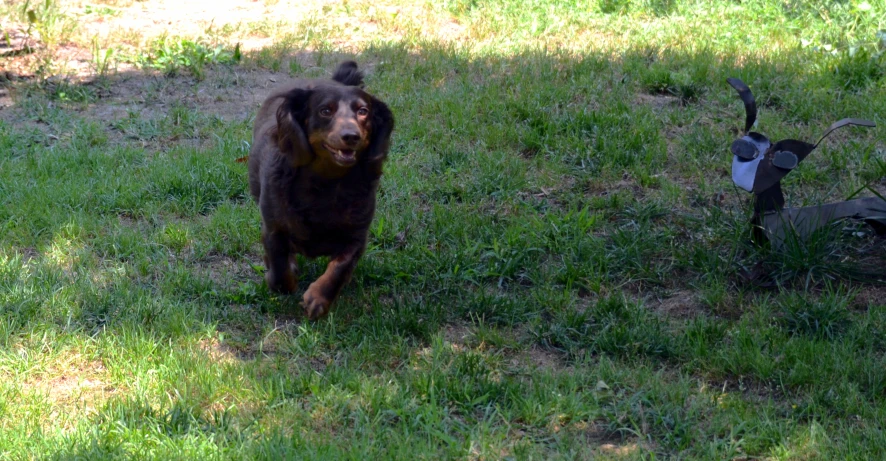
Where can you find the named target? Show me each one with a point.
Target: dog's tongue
(346, 153)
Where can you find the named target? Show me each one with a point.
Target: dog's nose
(350, 137)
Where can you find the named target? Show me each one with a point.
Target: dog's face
(340, 125)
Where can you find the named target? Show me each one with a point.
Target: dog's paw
(316, 305)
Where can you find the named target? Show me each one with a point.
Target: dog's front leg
(278, 261)
(320, 294)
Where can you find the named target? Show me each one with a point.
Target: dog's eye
(363, 111)
(326, 112)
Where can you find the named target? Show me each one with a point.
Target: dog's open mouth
(344, 157)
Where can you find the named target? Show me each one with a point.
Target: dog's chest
(329, 208)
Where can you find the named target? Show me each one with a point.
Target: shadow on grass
(529, 191)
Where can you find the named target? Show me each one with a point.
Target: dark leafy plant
(174, 55)
(823, 318)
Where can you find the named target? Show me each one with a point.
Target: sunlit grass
(556, 269)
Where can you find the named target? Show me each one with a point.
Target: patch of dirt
(553, 197)
(130, 27)
(222, 269)
(27, 253)
(270, 343)
(73, 388)
(63, 387)
(534, 357)
(5, 99)
(459, 337)
(625, 449)
(541, 359)
(218, 352)
(722, 388)
(230, 93)
(15, 42)
(17, 45)
(270, 349)
(457, 334)
(657, 101)
(681, 304)
(626, 185)
(607, 442)
(155, 18)
(870, 296)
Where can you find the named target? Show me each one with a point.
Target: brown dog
(316, 158)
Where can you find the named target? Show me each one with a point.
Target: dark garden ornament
(758, 166)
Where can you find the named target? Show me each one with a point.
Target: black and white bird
(759, 165)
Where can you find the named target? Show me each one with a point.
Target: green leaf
(237, 53)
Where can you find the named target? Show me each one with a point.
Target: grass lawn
(559, 264)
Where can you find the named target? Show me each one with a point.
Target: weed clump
(172, 56)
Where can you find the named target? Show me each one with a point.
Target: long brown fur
(314, 167)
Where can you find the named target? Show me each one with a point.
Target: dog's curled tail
(348, 74)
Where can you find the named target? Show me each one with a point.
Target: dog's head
(337, 125)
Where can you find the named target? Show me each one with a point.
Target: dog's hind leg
(278, 261)
(320, 294)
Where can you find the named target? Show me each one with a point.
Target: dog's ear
(348, 74)
(291, 138)
(382, 127)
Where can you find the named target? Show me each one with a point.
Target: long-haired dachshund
(316, 159)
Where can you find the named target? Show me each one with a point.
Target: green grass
(556, 270)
